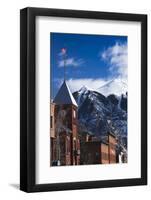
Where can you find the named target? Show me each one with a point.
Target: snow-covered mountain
(116, 87)
(99, 114)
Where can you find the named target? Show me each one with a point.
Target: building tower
(67, 145)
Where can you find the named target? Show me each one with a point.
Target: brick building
(65, 145)
(112, 142)
(52, 133)
(99, 152)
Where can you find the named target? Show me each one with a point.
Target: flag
(63, 51)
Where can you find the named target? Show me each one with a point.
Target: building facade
(52, 133)
(112, 142)
(65, 145)
(99, 152)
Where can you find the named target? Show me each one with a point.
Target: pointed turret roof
(64, 96)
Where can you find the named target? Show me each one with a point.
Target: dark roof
(64, 96)
(97, 142)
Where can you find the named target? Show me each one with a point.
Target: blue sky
(90, 59)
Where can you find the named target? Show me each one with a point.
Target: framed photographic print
(83, 99)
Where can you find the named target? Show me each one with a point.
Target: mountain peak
(84, 89)
(95, 110)
(115, 86)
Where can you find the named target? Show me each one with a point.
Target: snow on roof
(64, 96)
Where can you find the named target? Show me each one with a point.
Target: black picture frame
(28, 98)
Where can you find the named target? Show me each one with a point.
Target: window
(74, 114)
(51, 125)
(67, 145)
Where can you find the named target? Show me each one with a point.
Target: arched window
(67, 145)
(51, 121)
(74, 114)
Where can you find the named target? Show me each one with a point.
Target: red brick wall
(104, 153)
(69, 121)
(112, 149)
(52, 122)
(90, 153)
(53, 155)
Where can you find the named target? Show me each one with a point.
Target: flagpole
(64, 66)
(63, 51)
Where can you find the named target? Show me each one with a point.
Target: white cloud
(114, 86)
(116, 57)
(105, 86)
(71, 62)
(76, 84)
